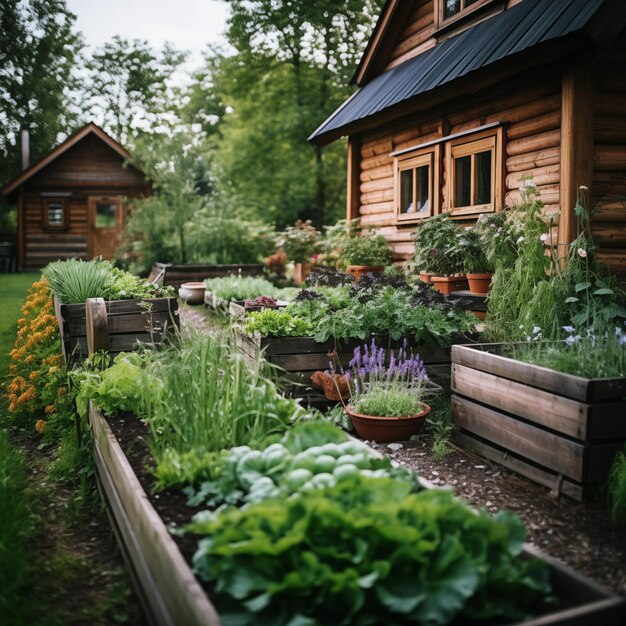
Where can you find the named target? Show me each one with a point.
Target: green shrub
(436, 247)
(616, 490)
(367, 250)
(241, 287)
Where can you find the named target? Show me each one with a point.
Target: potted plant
(437, 254)
(472, 245)
(367, 254)
(299, 243)
(386, 394)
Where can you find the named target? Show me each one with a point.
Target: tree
(292, 70)
(38, 51)
(128, 87)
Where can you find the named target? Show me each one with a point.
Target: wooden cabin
(71, 204)
(459, 100)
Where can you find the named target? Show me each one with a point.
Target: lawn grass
(13, 289)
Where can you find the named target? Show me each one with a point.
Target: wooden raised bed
(559, 430)
(175, 275)
(128, 322)
(173, 596)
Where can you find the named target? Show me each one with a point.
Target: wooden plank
(130, 322)
(97, 325)
(353, 198)
(550, 410)
(169, 574)
(550, 450)
(486, 357)
(521, 466)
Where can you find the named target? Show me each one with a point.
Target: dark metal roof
(515, 30)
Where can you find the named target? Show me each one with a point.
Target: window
(454, 7)
(415, 177)
(105, 214)
(455, 11)
(473, 165)
(54, 213)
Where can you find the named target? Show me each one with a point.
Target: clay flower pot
(479, 283)
(448, 284)
(301, 271)
(335, 386)
(387, 429)
(426, 277)
(192, 293)
(358, 270)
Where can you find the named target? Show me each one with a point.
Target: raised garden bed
(128, 322)
(174, 597)
(559, 430)
(175, 275)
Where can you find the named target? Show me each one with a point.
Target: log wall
(609, 163)
(90, 168)
(532, 112)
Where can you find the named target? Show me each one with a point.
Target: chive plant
(73, 281)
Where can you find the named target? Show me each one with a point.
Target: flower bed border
(556, 429)
(175, 598)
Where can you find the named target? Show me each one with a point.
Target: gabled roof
(61, 149)
(532, 24)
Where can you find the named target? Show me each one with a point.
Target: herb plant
(436, 249)
(616, 490)
(73, 281)
(367, 250)
(299, 241)
(366, 551)
(241, 287)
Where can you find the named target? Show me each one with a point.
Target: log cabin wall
(89, 168)
(529, 104)
(609, 164)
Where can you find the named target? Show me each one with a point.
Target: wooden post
(577, 118)
(21, 231)
(97, 325)
(353, 195)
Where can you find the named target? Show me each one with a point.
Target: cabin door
(105, 225)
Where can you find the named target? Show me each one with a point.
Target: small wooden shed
(459, 100)
(71, 204)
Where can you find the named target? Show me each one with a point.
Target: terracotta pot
(301, 271)
(386, 429)
(335, 386)
(192, 293)
(448, 284)
(426, 277)
(358, 270)
(479, 283)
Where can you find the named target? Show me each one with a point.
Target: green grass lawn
(12, 295)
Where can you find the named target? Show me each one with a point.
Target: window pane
(406, 192)
(462, 176)
(451, 7)
(482, 184)
(55, 214)
(105, 215)
(421, 191)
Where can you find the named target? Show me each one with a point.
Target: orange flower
(40, 426)
(50, 409)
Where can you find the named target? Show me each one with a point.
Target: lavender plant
(381, 386)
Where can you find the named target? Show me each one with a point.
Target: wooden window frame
(411, 161)
(470, 146)
(45, 202)
(443, 22)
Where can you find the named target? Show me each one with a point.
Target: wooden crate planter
(301, 356)
(559, 430)
(128, 322)
(173, 596)
(175, 275)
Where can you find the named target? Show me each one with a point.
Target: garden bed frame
(173, 596)
(121, 324)
(559, 430)
(175, 275)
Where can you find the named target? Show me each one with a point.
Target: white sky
(187, 24)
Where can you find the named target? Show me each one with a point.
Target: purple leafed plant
(260, 301)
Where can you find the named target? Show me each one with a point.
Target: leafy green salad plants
(245, 288)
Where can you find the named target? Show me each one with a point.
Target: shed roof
(61, 149)
(513, 32)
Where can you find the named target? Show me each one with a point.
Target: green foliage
(436, 247)
(473, 246)
(616, 490)
(17, 531)
(231, 404)
(334, 241)
(366, 551)
(182, 469)
(38, 52)
(367, 250)
(241, 287)
(390, 401)
(442, 425)
(248, 475)
(127, 85)
(276, 323)
(299, 241)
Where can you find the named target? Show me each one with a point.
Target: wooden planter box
(172, 595)
(128, 321)
(176, 275)
(301, 356)
(559, 430)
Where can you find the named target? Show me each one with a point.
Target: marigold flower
(50, 409)
(40, 426)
